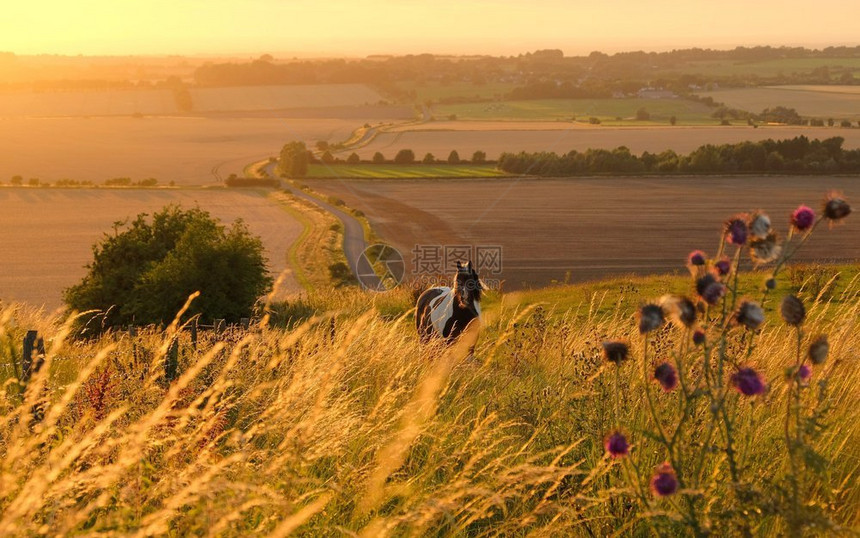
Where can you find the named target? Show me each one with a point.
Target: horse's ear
(469, 265)
(459, 265)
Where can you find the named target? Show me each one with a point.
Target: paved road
(353, 236)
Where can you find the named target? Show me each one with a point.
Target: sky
(360, 27)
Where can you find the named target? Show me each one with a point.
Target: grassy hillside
(340, 422)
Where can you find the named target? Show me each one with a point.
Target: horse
(445, 312)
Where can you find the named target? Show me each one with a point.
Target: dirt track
(589, 227)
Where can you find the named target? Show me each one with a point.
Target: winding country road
(353, 235)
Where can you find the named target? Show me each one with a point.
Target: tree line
(793, 155)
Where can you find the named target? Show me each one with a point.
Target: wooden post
(194, 334)
(29, 366)
(171, 362)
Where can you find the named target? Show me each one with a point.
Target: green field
(767, 68)
(434, 91)
(607, 110)
(404, 171)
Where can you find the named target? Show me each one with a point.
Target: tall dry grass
(342, 424)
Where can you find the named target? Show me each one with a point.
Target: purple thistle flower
(748, 382)
(804, 373)
(792, 310)
(650, 318)
(723, 266)
(697, 258)
(835, 207)
(667, 376)
(699, 337)
(803, 218)
(615, 351)
(713, 293)
(664, 482)
(616, 445)
(736, 230)
(818, 349)
(750, 315)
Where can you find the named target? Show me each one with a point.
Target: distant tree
(845, 123)
(643, 115)
(17, 180)
(144, 272)
(479, 157)
(378, 158)
(353, 158)
(673, 120)
(34, 182)
(322, 145)
(327, 157)
(453, 157)
(294, 160)
(404, 156)
(429, 159)
(594, 121)
(830, 122)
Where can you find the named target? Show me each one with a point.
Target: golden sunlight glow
(310, 27)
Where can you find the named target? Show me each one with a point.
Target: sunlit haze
(349, 28)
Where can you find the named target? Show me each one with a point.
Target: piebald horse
(444, 311)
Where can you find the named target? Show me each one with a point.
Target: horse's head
(467, 285)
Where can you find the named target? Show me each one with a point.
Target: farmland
(607, 110)
(497, 137)
(840, 102)
(586, 228)
(47, 234)
(139, 133)
(393, 171)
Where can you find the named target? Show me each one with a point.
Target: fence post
(171, 362)
(194, 334)
(32, 342)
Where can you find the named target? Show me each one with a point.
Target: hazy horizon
(339, 28)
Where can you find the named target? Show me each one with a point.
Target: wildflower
(803, 218)
(710, 289)
(664, 482)
(750, 315)
(792, 310)
(723, 266)
(736, 230)
(681, 309)
(748, 382)
(804, 373)
(835, 208)
(667, 376)
(697, 258)
(818, 349)
(699, 337)
(615, 351)
(765, 250)
(759, 225)
(650, 318)
(616, 445)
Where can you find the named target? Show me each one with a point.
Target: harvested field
(162, 102)
(839, 102)
(587, 228)
(189, 151)
(48, 233)
(653, 139)
(392, 171)
(686, 112)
